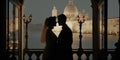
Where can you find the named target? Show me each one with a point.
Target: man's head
(61, 19)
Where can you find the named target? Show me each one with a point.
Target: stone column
(3, 51)
(96, 29)
(105, 30)
(20, 6)
(21, 31)
(13, 33)
(103, 51)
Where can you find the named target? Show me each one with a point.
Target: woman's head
(50, 21)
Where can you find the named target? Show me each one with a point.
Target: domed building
(71, 10)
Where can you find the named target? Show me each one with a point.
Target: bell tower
(54, 11)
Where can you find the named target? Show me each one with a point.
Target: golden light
(24, 17)
(30, 17)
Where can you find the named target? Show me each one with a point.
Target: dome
(71, 10)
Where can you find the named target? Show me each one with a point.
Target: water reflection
(34, 41)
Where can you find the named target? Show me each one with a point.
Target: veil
(43, 34)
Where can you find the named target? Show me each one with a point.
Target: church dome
(71, 10)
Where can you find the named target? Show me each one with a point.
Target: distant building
(71, 11)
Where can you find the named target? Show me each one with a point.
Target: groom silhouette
(64, 40)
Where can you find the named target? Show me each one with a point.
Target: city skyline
(43, 9)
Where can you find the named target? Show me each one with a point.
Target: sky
(41, 9)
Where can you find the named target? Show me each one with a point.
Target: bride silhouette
(49, 38)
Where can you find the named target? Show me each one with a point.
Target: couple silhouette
(57, 48)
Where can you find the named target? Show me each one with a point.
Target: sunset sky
(40, 9)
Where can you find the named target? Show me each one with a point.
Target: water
(34, 41)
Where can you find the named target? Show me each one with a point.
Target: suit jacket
(65, 43)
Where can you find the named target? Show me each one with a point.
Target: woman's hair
(48, 22)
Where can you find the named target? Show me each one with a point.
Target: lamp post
(26, 21)
(81, 19)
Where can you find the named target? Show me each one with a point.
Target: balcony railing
(36, 54)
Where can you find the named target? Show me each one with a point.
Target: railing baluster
(13, 57)
(38, 55)
(87, 56)
(109, 56)
(30, 56)
(79, 55)
(86, 53)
